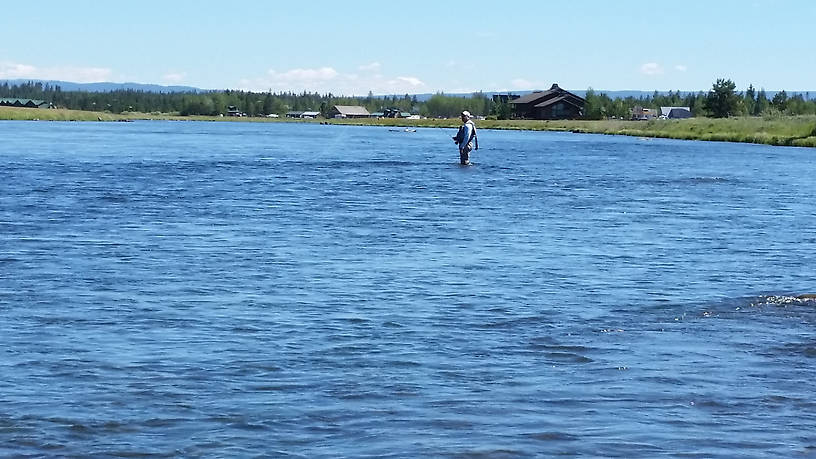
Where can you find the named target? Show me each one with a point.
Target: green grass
(30, 114)
(797, 131)
(806, 142)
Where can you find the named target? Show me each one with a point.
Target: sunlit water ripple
(236, 289)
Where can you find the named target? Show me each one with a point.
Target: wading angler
(466, 138)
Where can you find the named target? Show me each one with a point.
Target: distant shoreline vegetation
(721, 101)
(722, 114)
(798, 131)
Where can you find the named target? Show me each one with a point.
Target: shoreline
(797, 131)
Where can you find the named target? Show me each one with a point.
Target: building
(232, 110)
(24, 103)
(642, 114)
(553, 104)
(504, 98)
(394, 113)
(675, 112)
(302, 114)
(348, 111)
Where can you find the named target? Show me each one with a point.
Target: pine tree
(722, 101)
(750, 99)
(761, 103)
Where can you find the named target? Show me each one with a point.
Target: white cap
(466, 113)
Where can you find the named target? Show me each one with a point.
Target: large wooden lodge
(553, 104)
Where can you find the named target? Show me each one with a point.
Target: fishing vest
(473, 136)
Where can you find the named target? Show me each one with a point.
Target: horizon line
(496, 91)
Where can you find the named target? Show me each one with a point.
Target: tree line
(721, 101)
(214, 103)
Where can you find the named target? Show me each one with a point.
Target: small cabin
(674, 113)
(348, 111)
(642, 113)
(394, 113)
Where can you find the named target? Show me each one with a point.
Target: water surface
(237, 289)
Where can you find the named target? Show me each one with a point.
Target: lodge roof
(17, 100)
(538, 95)
(566, 98)
(351, 110)
(667, 110)
(532, 97)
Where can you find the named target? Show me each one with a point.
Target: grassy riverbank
(13, 113)
(790, 130)
(31, 114)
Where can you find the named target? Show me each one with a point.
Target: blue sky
(352, 47)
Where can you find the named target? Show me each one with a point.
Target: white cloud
(329, 80)
(412, 81)
(321, 74)
(292, 80)
(680, 68)
(372, 67)
(12, 70)
(177, 77)
(651, 69)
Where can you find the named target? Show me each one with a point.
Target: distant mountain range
(107, 87)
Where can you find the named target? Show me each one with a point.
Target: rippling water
(231, 289)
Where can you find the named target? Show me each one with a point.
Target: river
(189, 289)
